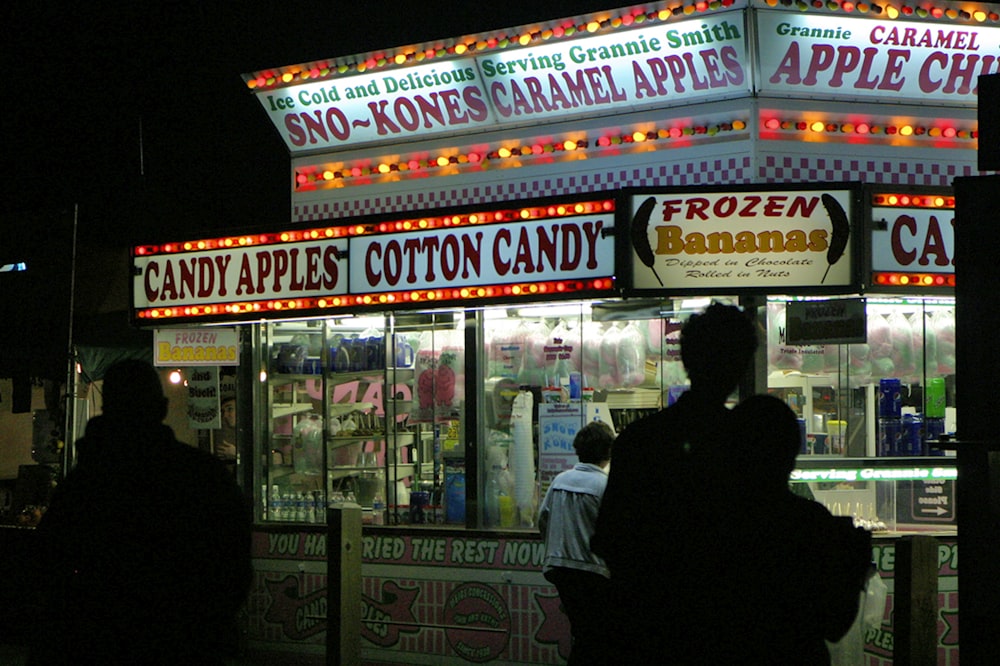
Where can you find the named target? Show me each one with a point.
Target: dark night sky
(81, 79)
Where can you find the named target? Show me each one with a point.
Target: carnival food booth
(497, 237)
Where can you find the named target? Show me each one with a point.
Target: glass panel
(864, 408)
(294, 410)
(548, 370)
(427, 390)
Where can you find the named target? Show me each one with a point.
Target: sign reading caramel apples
(739, 240)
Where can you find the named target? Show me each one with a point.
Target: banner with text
(682, 61)
(173, 347)
(247, 274)
(569, 248)
(913, 239)
(750, 239)
(810, 55)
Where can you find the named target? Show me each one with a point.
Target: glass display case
(363, 409)
(875, 416)
(379, 410)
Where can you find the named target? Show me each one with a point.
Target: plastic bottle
(378, 508)
(493, 492)
(300, 507)
(310, 507)
(274, 504)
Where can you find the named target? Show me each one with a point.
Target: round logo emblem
(478, 622)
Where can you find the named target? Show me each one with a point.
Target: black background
(129, 122)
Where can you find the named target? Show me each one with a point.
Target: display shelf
(337, 409)
(280, 409)
(344, 377)
(282, 378)
(338, 441)
(638, 398)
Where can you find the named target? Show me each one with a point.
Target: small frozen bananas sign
(196, 346)
(759, 240)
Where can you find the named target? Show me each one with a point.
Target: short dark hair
(593, 442)
(717, 345)
(132, 390)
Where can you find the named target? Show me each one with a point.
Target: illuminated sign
(176, 347)
(537, 250)
(818, 55)
(913, 240)
(423, 100)
(567, 249)
(259, 273)
(681, 62)
(875, 474)
(752, 239)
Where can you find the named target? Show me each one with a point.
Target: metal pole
(343, 587)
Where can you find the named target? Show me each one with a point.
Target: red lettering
(503, 238)
(374, 251)
(903, 256)
(152, 270)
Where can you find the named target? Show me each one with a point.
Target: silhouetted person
(800, 569)
(566, 522)
(144, 552)
(663, 518)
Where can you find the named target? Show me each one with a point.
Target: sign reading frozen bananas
(742, 240)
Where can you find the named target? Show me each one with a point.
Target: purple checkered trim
(784, 168)
(701, 172)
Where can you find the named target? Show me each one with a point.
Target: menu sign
(804, 54)
(739, 240)
(830, 322)
(285, 270)
(197, 347)
(565, 249)
(913, 239)
(683, 61)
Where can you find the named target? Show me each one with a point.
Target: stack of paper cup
(522, 457)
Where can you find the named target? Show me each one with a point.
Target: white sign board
(678, 62)
(914, 239)
(208, 346)
(245, 274)
(768, 239)
(489, 254)
(812, 55)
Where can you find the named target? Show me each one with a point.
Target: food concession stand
(497, 237)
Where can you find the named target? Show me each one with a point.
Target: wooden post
(915, 606)
(343, 591)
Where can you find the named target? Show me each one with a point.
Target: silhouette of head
(132, 390)
(593, 442)
(716, 348)
(769, 432)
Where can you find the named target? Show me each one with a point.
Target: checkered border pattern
(713, 171)
(784, 168)
(703, 172)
